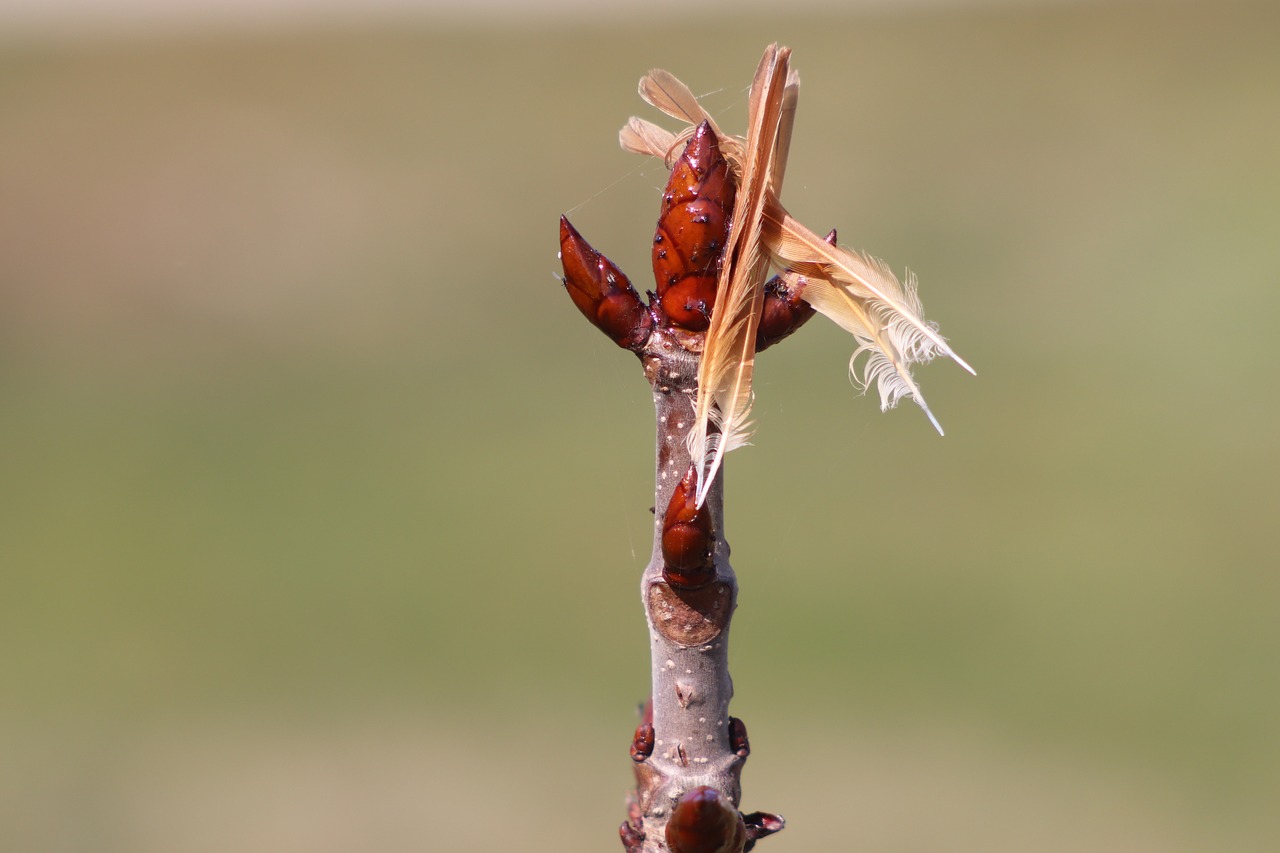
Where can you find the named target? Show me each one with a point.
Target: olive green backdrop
(324, 511)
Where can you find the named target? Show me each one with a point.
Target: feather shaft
(724, 376)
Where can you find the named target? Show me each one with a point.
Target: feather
(890, 348)
(803, 251)
(644, 137)
(724, 375)
(790, 100)
(862, 295)
(663, 90)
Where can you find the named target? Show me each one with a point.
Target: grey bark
(688, 631)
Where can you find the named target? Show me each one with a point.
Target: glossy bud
(783, 311)
(693, 225)
(642, 742)
(704, 821)
(602, 293)
(738, 742)
(761, 825)
(688, 538)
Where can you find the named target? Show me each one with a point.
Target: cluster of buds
(688, 251)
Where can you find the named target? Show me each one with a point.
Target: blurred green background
(324, 510)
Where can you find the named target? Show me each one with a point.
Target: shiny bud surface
(642, 742)
(688, 537)
(602, 292)
(762, 825)
(704, 821)
(693, 225)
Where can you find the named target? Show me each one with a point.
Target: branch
(719, 228)
(688, 752)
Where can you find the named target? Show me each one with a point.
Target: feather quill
(724, 375)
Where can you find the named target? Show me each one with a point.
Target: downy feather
(891, 345)
(644, 137)
(862, 295)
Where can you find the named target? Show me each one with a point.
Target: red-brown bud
(602, 293)
(688, 537)
(632, 836)
(642, 743)
(761, 825)
(738, 742)
(692, 228)
(704, 821)
(783, 311)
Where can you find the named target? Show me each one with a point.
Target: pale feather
(665, 91)
(800, 249)
(724, 376)
(787, 121)
(644, 137)
(890, 345)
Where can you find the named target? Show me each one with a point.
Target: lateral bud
(738, 742)
(602, 292)
(784, 311)
(632, 835)
(688, 537)
(693, 226)
(761, 825)
(704, 821)
(642, 742)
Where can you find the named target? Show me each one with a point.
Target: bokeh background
(323, 509)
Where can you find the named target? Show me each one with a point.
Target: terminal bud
(693, 225)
